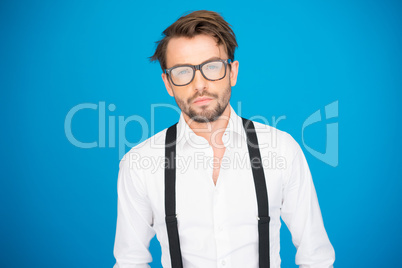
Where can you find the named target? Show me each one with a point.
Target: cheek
(182, 95)
(221, 87)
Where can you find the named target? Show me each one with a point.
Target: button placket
(202, 162)
(220, 228)
(223, 234)
(224, 262)
(217, 210)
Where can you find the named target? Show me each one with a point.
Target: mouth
(202, 101)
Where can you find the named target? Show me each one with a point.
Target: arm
(301, 213)
(134, 220)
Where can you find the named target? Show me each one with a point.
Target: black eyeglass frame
(198, 67)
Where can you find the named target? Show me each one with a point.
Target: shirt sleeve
(134, 220)
(301, 213)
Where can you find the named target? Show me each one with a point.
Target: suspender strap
(170, 197)
(260, 188)
(261, 192)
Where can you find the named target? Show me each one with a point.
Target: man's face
(201, 100)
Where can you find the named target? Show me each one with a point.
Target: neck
(211, 131)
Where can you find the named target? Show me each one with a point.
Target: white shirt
(217, 224)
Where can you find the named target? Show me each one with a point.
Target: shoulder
(148, 150)
(277, 140)
(280, 149)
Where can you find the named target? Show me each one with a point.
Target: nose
(199, 82)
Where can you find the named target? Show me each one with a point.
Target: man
(211, 204)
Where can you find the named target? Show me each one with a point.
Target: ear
(167, 84)
(234, 70)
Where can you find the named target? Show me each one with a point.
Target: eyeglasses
(183, 75)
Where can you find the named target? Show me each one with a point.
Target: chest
(200, 202)
(218, 156)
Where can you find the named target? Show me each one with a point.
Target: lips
(202, 100)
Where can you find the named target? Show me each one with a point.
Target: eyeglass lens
(213, 70)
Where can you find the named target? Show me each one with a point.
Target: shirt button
(220, 228)
(223, 262)
(225, 138)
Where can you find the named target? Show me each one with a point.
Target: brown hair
(195, 23)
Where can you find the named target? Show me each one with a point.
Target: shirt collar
(234, 133)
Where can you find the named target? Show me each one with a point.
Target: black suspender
(261, 192)
(170, 197)
(260, 188)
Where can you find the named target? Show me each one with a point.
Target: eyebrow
(183, 64)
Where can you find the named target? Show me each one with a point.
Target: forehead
(195, 50)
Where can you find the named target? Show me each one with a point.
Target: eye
(182, 72)
(211, 67)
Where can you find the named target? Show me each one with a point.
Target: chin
(208, 115)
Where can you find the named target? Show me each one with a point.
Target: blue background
(59, 202)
